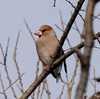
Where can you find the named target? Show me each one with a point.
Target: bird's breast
(45, 49)
(45, 55)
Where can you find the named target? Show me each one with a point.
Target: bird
(46, 46)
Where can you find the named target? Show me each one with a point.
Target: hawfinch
(46, 46)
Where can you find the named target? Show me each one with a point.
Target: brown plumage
(46, 46)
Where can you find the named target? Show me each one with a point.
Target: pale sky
(37, 13)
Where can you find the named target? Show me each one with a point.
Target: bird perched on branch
(46, 46)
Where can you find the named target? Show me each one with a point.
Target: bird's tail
(58, 78)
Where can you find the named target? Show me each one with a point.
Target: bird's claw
(53, 55)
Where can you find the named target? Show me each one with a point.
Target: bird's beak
(38, 33)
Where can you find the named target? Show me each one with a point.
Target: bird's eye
(43, 30)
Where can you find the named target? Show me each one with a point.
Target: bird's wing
(65, 65)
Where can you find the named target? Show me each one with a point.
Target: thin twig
(77, 28)
(2, 85)
(59, 97)
(94, 80)
(47, 89)
(62, 23)
(43, 87)
(29, 30)
(7, 74)
(16, 64)
(33, 95)
(93, 84)
(37, 69)
(72, 80)
(96, 17)
(5, 56)
(14, 82)
(78, 31)
(2, 50)
(75, 7)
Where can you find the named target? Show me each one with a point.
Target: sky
(37, 13)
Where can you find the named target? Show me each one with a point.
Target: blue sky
(37, 13)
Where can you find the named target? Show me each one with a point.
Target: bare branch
(16, 64)
(94, 80)
(85, 64)
(29, 31)
(14, 82)
(72, 80)
(42, 90)
(75, 7)
(59, 97)
(3, 87)
(62, 23)
(7, 74)
(47, 89)
(5, 56)
(44, 74)
(2, 50)
(37, 69)
(69, 25)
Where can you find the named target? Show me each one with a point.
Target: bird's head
(45, 30)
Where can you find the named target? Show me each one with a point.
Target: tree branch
(85, 61)
(44, 74)
(69, 25)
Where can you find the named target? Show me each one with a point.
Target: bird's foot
(53, 55)
(45, 67)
